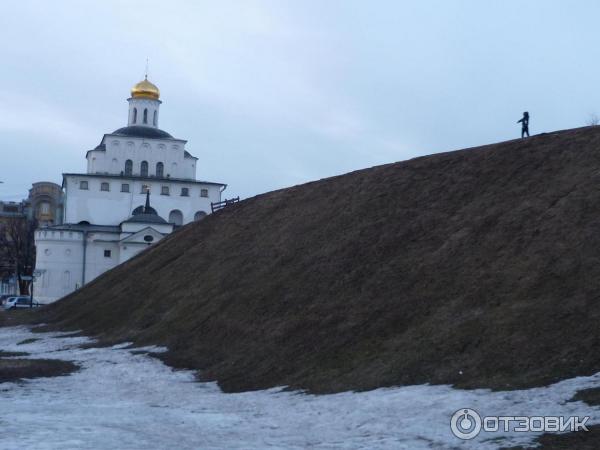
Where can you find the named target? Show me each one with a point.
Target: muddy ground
(18, 369)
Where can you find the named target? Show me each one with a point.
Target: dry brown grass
(479, 268)
(17, 369)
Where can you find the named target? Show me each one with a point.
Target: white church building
(140, 184)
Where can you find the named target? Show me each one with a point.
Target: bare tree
(17, 248)
(593, 120)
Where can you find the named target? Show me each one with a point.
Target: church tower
(105, 222)
(144, 104)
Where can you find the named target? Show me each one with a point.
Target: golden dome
(145, 89)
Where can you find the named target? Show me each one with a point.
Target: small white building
(107, 217)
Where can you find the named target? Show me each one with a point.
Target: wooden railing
(215, 206)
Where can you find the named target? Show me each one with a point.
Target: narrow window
(107, 253)
(145, 115)
(160, 170)
(128, 167)
(203, 192)
(66, 280)
(44, 208)
(144, 169)
(134, 115)
(125, 187)
(83, 185)
(155, 120)
(185, 192)
(164, 190)
(104, 186)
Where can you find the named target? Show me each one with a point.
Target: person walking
(524, 124)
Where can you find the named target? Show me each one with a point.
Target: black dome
(146, 218)
(145, 132)
(143, 210)
(145, 214)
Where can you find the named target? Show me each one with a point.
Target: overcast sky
(275, 93)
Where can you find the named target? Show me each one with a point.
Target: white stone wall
(140, 104)
(59, 254)
(119, 149)
(113, 207)
(128, 251)
(133, 238)
(130, 228)
(96, 262)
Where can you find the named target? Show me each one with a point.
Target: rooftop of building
(143, 132)
(139, 177)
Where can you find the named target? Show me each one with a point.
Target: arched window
(145, 115)
(144, 169)
(160, 169)
(199, 215)
(66, 280)
(128, 167)
(155, 120)
(176, 217)
(134, 115)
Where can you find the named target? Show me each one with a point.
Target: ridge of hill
(478, 267)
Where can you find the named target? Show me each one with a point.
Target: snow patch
(125, 399)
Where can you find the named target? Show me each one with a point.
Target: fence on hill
(215, 206)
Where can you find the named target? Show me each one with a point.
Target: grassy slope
(479, 267)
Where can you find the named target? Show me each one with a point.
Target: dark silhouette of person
(524, 124)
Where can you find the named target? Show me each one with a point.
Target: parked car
(3, 298)
(19, 303)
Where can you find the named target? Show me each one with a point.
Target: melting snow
(122, 400)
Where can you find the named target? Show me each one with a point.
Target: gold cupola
(145, 89)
